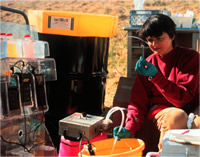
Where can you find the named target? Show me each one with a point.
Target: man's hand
(124, 133)
(145, 68)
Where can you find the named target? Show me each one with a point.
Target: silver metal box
(76, 124)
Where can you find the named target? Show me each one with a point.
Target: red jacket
(175, 85)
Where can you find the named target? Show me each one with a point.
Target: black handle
(72, 138)
(16, 11)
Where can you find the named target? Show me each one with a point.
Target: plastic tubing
(110, 112)
(114, 109)
(135, 37)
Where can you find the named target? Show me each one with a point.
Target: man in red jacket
(166, 89)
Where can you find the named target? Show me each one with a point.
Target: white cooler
(179, 143)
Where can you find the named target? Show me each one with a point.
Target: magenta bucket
(71, 148)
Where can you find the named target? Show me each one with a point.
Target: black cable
(40, 123)
(16, 11)
(71, 145)
(32, 71)
(23, 64)
(37, 126)
(12, 68)
(80, 144)
(14, 143)
(34, 131)
(25, 134)
(15, 66)
(91, 151)
(21, 143)
(135, 37)
(89, 145)
(25, 127)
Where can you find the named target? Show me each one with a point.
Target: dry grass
(118, 8)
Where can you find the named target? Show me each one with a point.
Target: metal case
(77, 125)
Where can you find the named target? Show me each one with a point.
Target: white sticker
(64, 23)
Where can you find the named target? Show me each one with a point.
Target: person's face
(160, 45)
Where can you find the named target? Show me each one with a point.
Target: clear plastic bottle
(11, 47)
(3, 45)
(28, 47)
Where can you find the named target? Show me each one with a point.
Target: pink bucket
(71, 148)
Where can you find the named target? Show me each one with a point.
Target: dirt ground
(117, 62)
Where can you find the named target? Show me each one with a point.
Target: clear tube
(114, 109)
(110, 112)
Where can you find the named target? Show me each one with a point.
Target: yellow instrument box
(73, 23)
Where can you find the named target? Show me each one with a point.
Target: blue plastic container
(138, 17)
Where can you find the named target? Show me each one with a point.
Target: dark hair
(155, 25)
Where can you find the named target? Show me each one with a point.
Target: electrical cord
(15, 66)
(142, 46)
(135, 37)
(25, 127)
(37, 126)
(89, 145)
(14, 143)
(80, 144)
(19, 62)
(30, 68)
(23, 143)
(25, 134)
(12, 68)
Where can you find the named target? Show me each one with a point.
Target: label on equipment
(64, 23)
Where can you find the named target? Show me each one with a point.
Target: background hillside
(117, 63)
